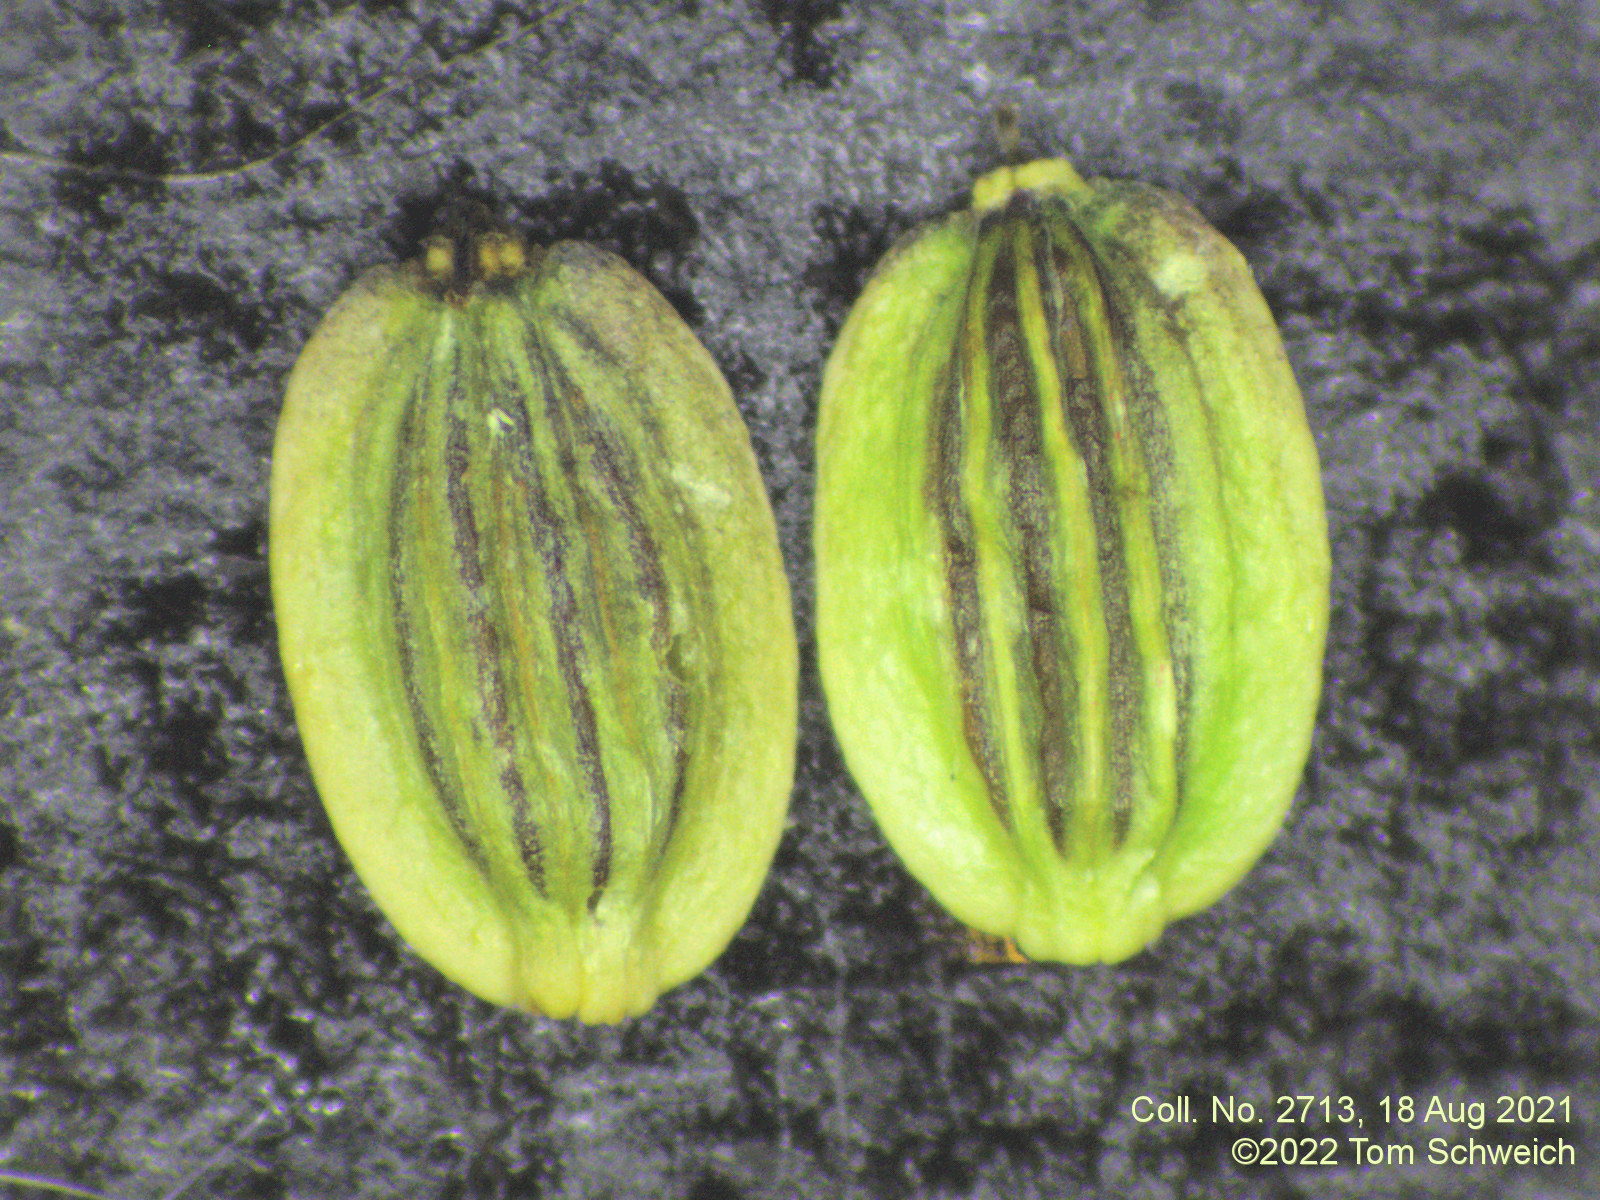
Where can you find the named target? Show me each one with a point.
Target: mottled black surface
(194, 987)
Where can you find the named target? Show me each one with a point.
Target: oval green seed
(534, 623)
(1072, 562)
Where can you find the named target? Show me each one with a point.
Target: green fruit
(534, 623)
(1072, 562)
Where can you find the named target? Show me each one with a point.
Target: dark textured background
(194, 987)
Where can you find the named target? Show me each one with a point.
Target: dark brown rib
(1019, 440)
(1155, 441)
(961, 582)
(517, 447)
(612, 464)
(550, 545)
(487, 650)
(651, 574)
(1084, 409)
(401, 529)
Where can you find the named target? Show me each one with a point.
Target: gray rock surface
(197, 997)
